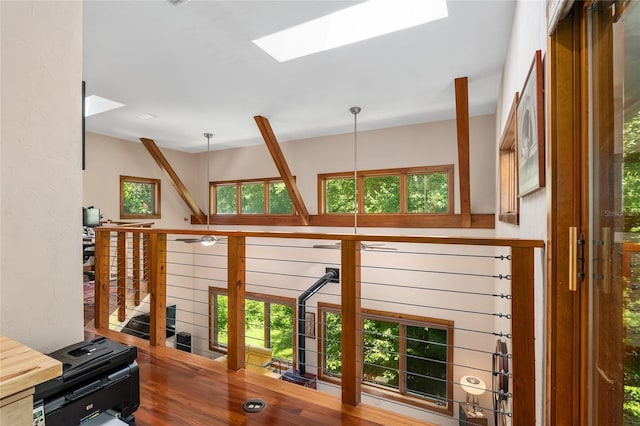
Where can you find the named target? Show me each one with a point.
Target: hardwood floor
(177, 388)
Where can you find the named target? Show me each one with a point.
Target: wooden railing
(521, 279)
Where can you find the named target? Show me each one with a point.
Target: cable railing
(432, 327)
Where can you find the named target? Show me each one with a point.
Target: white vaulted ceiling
(195, 67)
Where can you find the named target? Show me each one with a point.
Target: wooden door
(613, 206)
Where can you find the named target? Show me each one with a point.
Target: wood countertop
(22, 367)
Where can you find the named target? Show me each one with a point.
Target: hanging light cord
(208, 197)
(355, 111)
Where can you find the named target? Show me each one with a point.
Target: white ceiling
(195, 67)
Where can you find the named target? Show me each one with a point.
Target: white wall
(417, 145)
(528, 34)
(41, 111)
(406, 146)
(108, 158)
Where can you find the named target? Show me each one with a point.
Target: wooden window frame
(156, 197)
(508, 157)
(402, 173)
(238, 183)
(267, 299)
(403, 320)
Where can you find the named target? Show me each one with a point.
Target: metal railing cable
(469, 289)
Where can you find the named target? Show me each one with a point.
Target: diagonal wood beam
(182, 190)
(281, 163)
(462, 124)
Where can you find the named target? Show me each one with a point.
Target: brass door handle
(573, 258)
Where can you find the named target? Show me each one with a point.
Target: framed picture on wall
(530, 141)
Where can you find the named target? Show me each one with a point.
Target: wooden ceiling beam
(283, 168)
(462, 125)
(199, 216)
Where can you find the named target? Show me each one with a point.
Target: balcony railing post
(236, 252)
(102, 275)
(158, 289)
(351, 337)
(522, 323)
(136, 267)
(122, 276)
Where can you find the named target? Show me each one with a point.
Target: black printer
(98, 375)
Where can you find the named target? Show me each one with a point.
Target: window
(419, 190)
(139, 198)
(269, 322)
(226, 199)
(256, 197)
(509, 207)
(405, 357)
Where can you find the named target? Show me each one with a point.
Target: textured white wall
(528, 34)
(41, 181)
(406, 146)
(107, 158)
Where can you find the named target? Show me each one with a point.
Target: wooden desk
(21, 369)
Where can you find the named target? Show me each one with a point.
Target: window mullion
(402, 364)
(404, 197)
(267, 324)
(238, 198)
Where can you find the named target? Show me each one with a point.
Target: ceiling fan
(363, 246)
(205, 240)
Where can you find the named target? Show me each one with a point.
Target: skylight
(360, 22)
(95, 105)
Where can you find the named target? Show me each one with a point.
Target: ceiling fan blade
(380, 248)
(188, 240)
(327, 246)
(376, 246)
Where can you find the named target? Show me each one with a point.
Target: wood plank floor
(178, 388)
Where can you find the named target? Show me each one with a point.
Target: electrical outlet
(336, 271)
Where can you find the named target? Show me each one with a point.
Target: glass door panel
(614, 216)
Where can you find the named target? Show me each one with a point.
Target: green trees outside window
(382, 194)
(226, 199)
(427, 362)
(631, 174)
(428, 193)
(404, 356)
(251, 198)
(417, 190)
(631, 292)
(139, 197)
(332, 344)
(220, 330)
(340, 195)
(268, 323)
(279, 199)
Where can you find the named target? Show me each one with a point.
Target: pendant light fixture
(205, 240)
(208, 240)
(355, 110)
